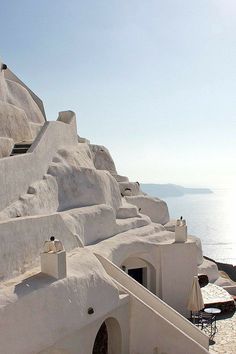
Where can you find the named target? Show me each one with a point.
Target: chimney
(181, 231)
(53, 259)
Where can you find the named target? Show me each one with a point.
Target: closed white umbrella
(195, 300)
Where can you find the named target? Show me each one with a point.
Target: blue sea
(210, 217)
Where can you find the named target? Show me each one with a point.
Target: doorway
(101, 341)
(142, 271)
(137, 274)
(108, 339)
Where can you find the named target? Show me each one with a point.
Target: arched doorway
(108, 338)
(142, 271)
(101, 341)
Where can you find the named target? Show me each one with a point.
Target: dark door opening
(101, 341)
(137, 274)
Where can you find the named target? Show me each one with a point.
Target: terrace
(225, 339)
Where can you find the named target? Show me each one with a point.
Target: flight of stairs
(20, 148)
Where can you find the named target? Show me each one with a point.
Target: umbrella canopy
(195, 300)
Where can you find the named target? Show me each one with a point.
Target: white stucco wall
(71, 181)
(6, 146)
(178, 267)
(165, 325)
(158, 335)
(14, 123)
(14, 92)
(18, 172)
(102, 159)
(54, 309)
(82, 340)
(155, 208)
(9, 75)
(173, 279)
(96, 223)
(22, 240)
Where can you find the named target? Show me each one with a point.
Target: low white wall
(68, 117)
(156, 209)
(172, 321)
(97, 222)
(22, 240)
(91, 223)
(18, 172)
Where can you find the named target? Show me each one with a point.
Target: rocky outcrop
(17, 110)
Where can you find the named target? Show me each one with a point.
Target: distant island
(171, 190)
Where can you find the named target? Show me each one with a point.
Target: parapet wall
(20, 249)
(18, 172)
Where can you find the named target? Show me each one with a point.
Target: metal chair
(207, 323)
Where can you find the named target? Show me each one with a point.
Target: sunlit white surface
(211, 217)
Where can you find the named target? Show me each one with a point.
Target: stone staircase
(20, 148)
(167, 330)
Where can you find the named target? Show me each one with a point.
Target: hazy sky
(154, 81)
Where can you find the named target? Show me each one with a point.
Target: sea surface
(210, 217)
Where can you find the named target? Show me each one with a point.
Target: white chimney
(53, 259)
(181, 231)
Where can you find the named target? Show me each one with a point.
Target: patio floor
(225, 339)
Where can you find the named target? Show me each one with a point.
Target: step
(131, 221)
(123, 225)
(22, 145)
(20, 148)
(127, 211)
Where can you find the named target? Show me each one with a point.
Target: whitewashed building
(79, 296)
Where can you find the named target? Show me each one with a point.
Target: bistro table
(209, 320)
(212, 310)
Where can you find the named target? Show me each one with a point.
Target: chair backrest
(207, 318)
